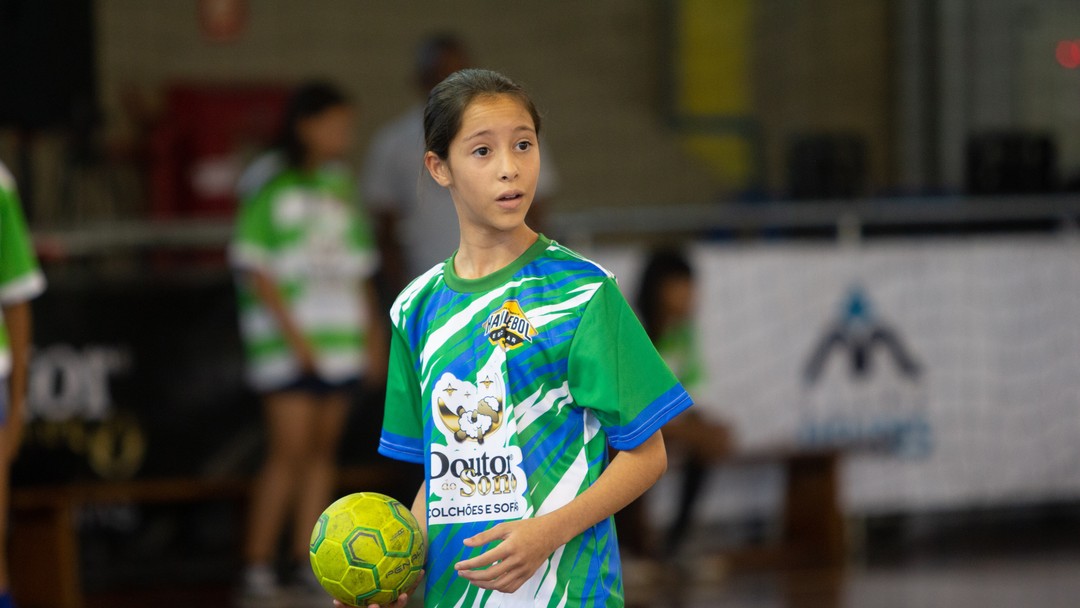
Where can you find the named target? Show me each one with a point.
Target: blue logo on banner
(860, 337)
(865, 406)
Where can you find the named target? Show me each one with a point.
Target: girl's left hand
(525, 545)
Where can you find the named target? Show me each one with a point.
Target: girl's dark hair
(662, 265)
(310, 99)
(450, 98)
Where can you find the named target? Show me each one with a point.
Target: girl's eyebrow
(484, 132)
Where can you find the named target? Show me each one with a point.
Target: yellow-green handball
(366, 549)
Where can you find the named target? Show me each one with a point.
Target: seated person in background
(665, 303)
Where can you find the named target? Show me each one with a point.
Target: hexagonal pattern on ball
(366, 548)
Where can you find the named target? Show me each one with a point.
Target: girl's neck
(481, 255)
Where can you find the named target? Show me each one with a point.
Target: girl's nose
(508, 170)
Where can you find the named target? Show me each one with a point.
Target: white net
(963, 357)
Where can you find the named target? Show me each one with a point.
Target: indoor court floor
(1027, 558)
(1029, 581)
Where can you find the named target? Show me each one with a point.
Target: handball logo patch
(508, 327)
(477, 474)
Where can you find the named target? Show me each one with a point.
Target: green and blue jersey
(509, 390)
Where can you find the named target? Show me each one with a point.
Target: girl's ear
(438, 168)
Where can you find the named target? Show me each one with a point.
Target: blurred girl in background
(303, 253)
(21, 280)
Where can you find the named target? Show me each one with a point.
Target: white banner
(963, 355)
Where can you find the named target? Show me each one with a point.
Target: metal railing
(845, 220)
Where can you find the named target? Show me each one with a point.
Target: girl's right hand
(401, 600)
(305, 358)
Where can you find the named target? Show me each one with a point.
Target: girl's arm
(527, 543)
(17, 319)
(268, 293)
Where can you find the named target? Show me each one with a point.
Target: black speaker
(828, 165)
(47, 67)
(1011, 162)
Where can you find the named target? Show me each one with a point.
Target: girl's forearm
(17, 318)
(266, 290)
(629, 475)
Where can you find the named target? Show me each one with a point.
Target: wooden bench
(45, 557)
(812, 519)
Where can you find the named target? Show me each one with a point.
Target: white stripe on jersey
(543, 315)
(554, 246)
(535, 406)
(439, 337)
(567, 487)
(407, 295)
(551, 575)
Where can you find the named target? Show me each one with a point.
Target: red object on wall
(1068, 54)
(200, 147)
(223, 20)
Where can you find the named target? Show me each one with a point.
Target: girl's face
(328, 134)
(677, 298)
(491, 167)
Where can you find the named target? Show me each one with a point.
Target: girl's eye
(482, 151)
(524, 145)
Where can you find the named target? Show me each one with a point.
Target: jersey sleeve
(253, 241)
(403, 427)
(21, 278)
(615, 371)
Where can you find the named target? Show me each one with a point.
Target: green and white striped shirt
(21, 278)
(307, 233)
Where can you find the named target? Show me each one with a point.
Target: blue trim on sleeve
(665, 407)
(400, 447)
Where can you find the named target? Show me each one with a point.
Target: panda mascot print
(477, 475)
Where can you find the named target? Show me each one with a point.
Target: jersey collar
(493, 280)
